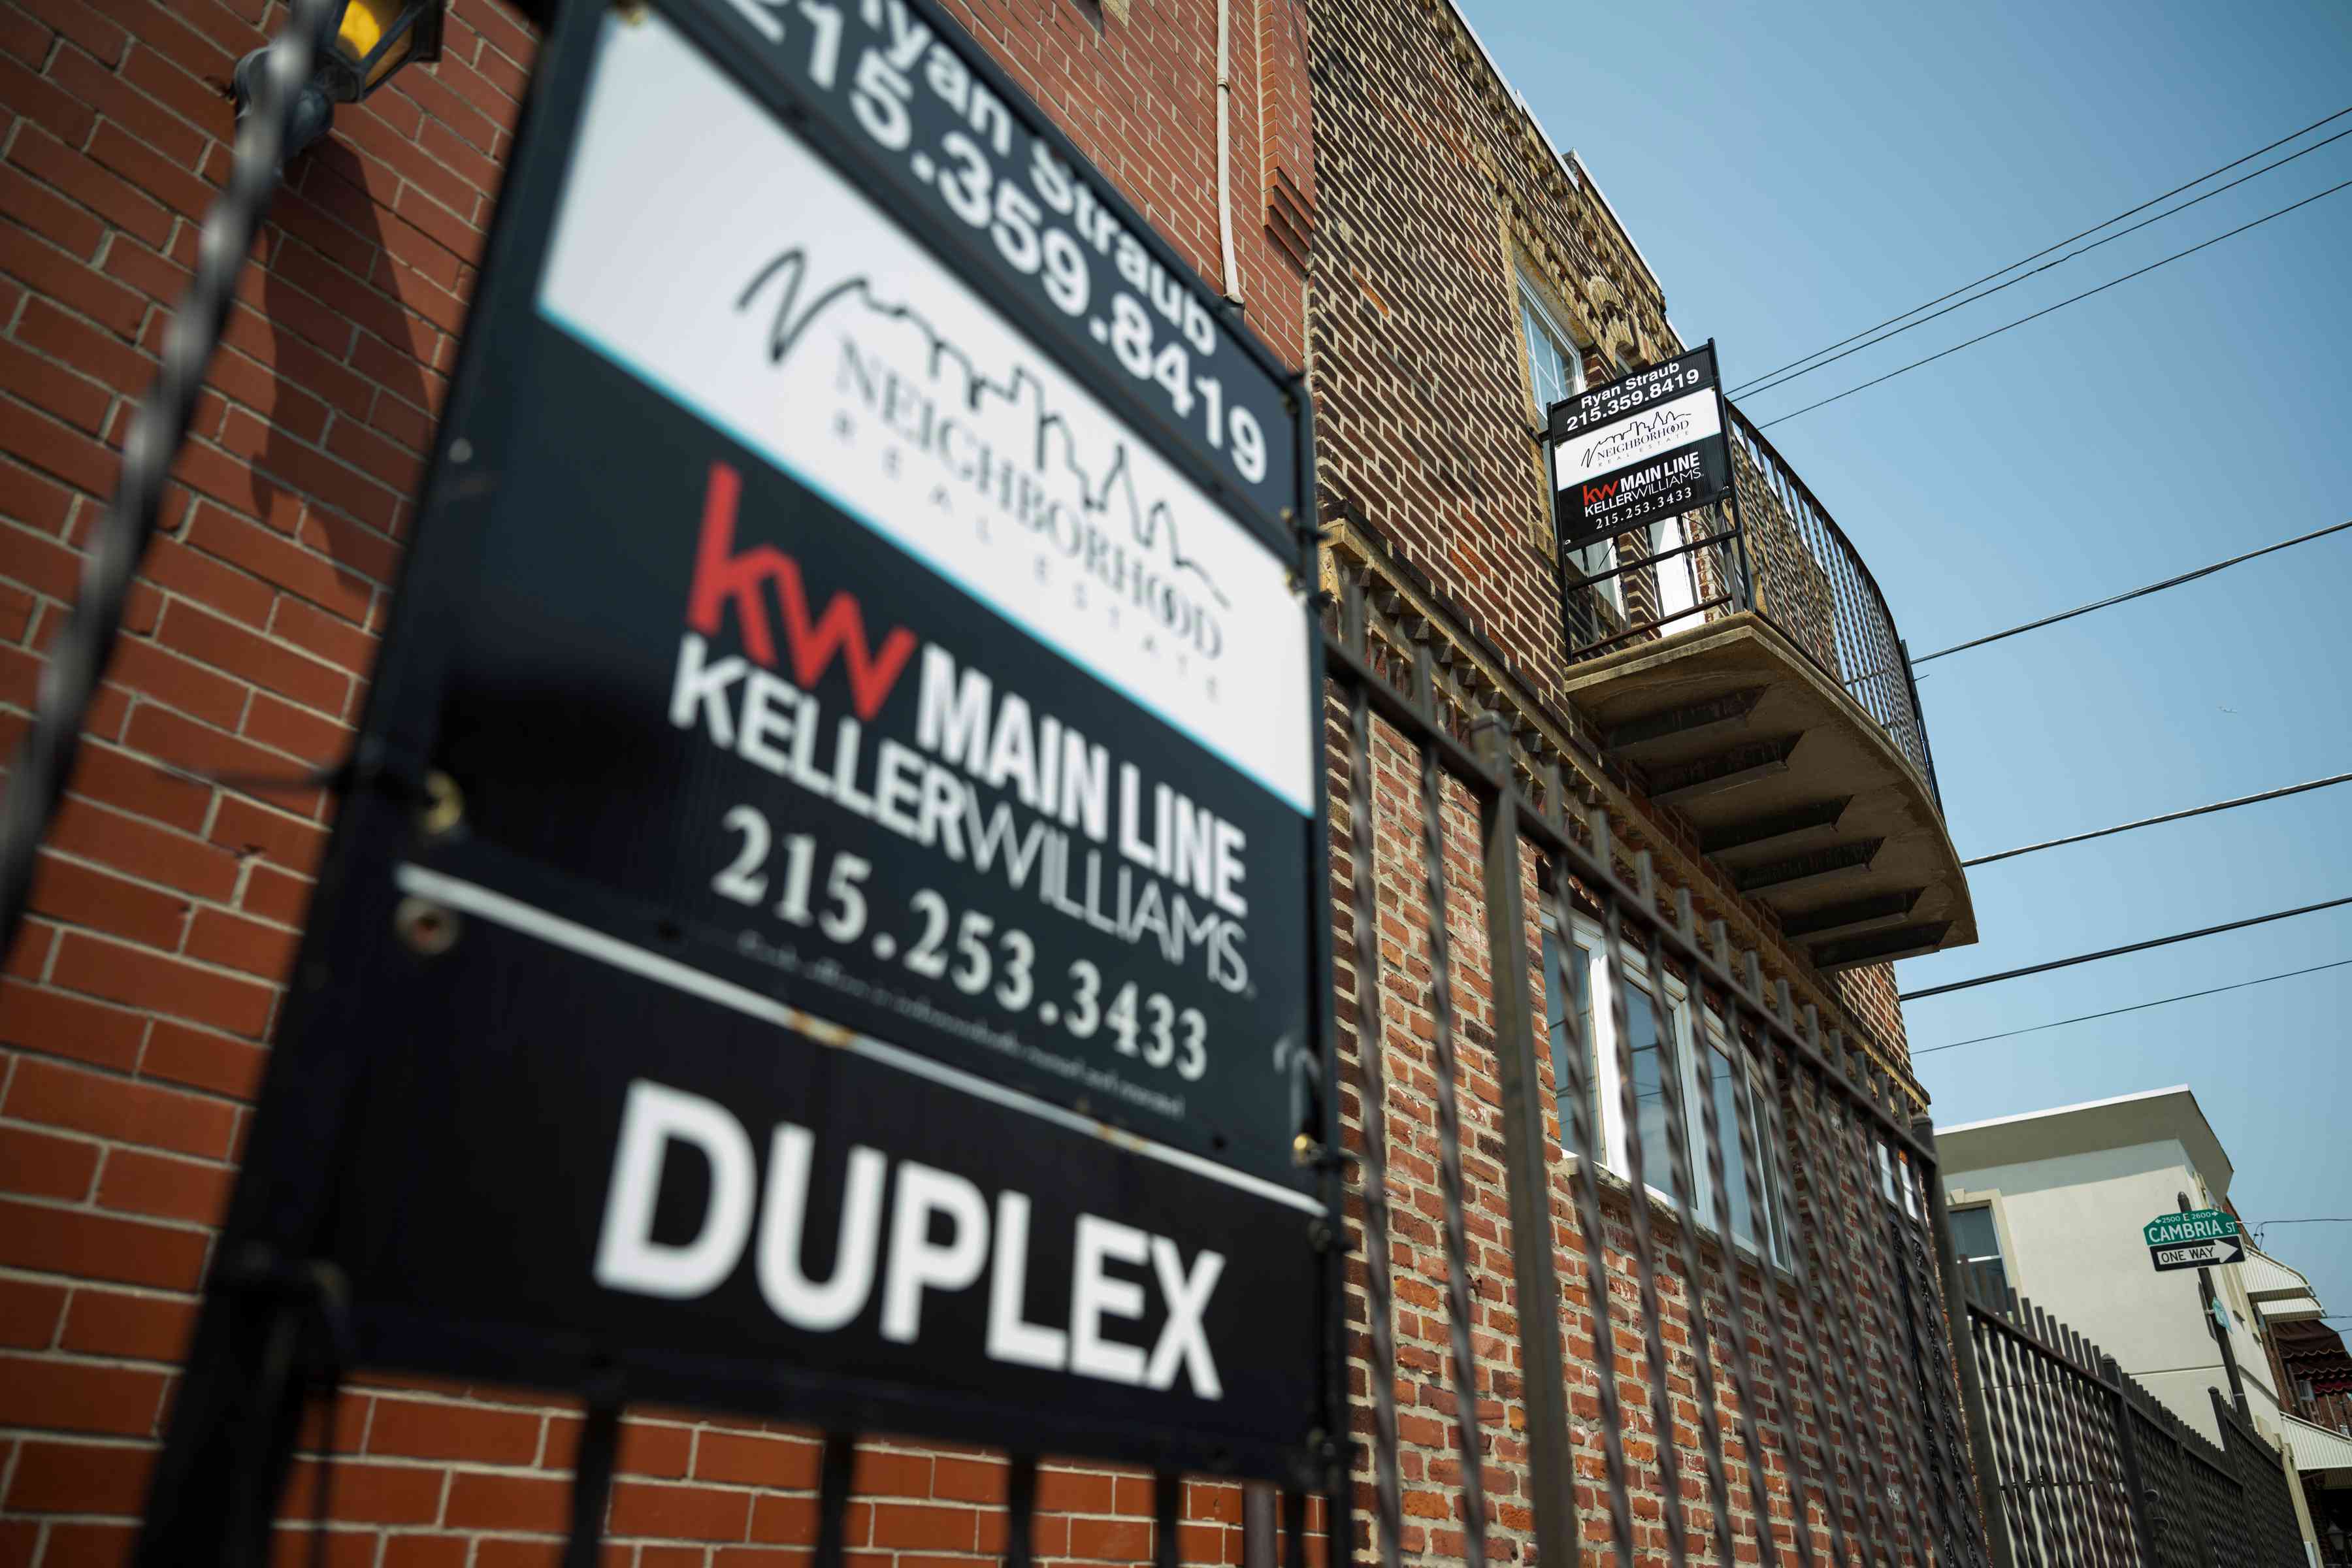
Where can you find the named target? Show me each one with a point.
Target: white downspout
(1233, 278)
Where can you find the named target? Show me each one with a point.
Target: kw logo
(722, 577)
(1593, 493)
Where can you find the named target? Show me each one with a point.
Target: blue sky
(1795, 173)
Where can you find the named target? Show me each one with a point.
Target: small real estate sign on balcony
(2200, 1238)
(1645, 445)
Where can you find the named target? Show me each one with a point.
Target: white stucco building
(2059, 1196)
(2056, 1200)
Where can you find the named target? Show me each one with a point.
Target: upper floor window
(1555, 365)
(1976, 1243)
(1556, 371)
(1662, 1029)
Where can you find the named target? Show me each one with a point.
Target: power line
(2319, 1219)
(2047, 249)
(2168, 817)
(2135, 593)
(2071, 299)
(2134, 1008)
(1778, 381)
(2120, 951)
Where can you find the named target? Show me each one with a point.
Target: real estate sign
(1647, 446)
(862, 961)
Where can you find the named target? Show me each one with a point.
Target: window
(1976, 1242)
(1565, 991)
(1555, 365)
(1554, 371)
(1729, 1077)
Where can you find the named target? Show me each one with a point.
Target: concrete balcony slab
(1795, 790)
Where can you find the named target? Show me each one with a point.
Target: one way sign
(2198, 1254)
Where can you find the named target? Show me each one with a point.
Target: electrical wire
(2168, 817)
(2120, 951)
(2046, 310)
(2134, 1008)
(2038, 255)
(44, 760)
(2131, 593)
(1775, 385)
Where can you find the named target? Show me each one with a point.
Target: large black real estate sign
(1647, 446)
(829, 925)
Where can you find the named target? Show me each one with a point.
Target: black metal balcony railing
(1780, 555)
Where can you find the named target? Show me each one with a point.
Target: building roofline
(2070, 1109)
(1578, 176)
(2121, 1122)
(1576, 160)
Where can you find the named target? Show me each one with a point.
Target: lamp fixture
(366, 42)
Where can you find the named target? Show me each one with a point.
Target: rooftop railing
(1780, 555)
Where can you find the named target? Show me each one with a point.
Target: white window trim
(1769, 1207)
(1957, 1199)
(1601, 555)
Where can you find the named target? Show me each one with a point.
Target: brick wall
(1431, 187)
(135, 1009)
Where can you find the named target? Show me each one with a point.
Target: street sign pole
(2217, 1326)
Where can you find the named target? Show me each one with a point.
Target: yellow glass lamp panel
(363, 29)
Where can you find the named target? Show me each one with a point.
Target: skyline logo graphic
(1050, 446)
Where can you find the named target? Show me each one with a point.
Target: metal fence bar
(2091, 1405)
(1576, 1098)
(1905, 1414)
(2118, 1410)
(1734, 1301)
(1371, 1078)
(2049, 1502)
(1536, 1281)
(1938, 1367)
(1679, 1173)
(2119, 1516)
(1961, 1332)
(1826, 1228)
(1449, 1135)
(2008, 1480)
(1662, 1411)
(2076, 1472)
(1836, 1445)
(1775, 1342)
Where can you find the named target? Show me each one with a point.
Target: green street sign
(2197, 1225)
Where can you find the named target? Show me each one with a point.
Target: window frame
(1601, 554)
(1989, 1205)
(1769, 1213)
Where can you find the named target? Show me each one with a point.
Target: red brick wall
(135, 1008)
(1429, 185)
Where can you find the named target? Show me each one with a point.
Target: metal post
(2127, 1450)
(1964, 1356)
(1744, 594)
(1919, 723)
(2217, 1324)
(1257, 1525)
(1549, 1462)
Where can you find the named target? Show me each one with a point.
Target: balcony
(1745, 663)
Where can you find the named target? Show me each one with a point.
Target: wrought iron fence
(1802, 1401)
(2082, 1464)
(1775, 553)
